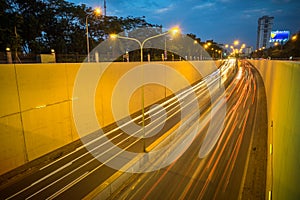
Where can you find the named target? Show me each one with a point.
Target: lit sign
(279, 36)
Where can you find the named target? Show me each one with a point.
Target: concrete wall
(36, 104)
(282, 81)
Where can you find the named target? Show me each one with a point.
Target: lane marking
(68, 186)
(40, 180)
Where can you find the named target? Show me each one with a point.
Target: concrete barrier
(36, 104)
(282, 80)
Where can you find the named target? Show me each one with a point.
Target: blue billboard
(279, 36)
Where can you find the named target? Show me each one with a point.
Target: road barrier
(281, 79)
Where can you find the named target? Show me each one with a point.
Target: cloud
(203, 6)
(255, 12)
(164, 10)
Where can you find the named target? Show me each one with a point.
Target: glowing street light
(172, 31)
(8, 55)
(175, 30)
(113, 36)
(97, 12)
(236, 50)
(294, 37)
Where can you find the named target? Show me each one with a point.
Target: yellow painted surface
(281, 79)
(12, 148)
(9, 103)
(104, 92)
(41, 84)
(71, 71)
(47, 129)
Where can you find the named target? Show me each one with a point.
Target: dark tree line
(36, 26)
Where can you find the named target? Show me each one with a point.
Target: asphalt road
(219, 175)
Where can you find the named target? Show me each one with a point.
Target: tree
(36, 26)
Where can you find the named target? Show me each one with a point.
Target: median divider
(161, 138)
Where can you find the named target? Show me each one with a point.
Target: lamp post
(173, 31)
(235, 51)
(8, 55)
(141, 44)
(97, 11)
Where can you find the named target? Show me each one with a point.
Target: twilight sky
(220, 20)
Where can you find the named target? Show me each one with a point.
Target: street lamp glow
(195, 42)
(113, 36)
(226, 45)
(294, 37)
(205, 46)
(236, 42)
(98, 11)
(174, 30)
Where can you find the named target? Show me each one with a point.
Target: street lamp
(242, 47)
(97, 12)
(172, 31)
(236, 42)
(8, 55)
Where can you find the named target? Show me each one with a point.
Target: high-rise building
(264, 29)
